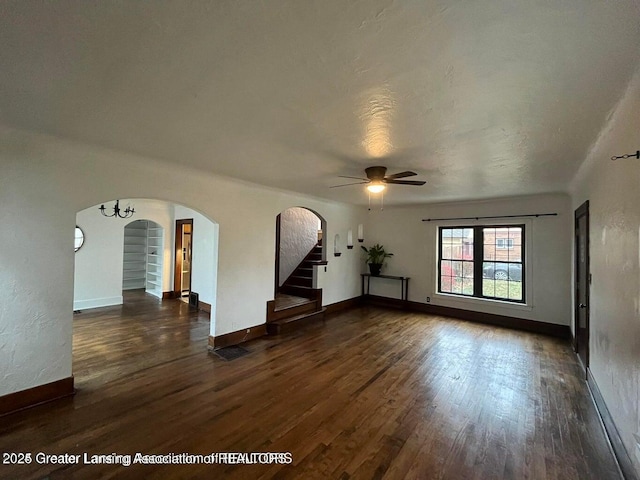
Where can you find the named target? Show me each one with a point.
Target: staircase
(297, 302)
(300, 282)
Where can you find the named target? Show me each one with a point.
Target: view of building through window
(482, 261)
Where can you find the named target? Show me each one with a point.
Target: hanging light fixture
(117, 213)
(376, 186)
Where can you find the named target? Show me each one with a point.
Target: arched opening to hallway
(127, 316)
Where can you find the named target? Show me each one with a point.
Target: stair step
(300, 281)
(285, 312)
(306, 292)
(310, 263)
(292, 323)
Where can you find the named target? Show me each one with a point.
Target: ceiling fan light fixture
(376, 187)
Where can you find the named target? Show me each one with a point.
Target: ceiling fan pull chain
(369, 200)
(382, 202)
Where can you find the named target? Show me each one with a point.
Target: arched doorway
(300, 250)
(127, 310)
(300, 245)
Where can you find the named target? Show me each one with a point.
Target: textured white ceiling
(482, 99)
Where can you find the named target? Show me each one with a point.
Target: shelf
(134, 259)
(155, 243)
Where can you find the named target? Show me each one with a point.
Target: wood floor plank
(370, 393)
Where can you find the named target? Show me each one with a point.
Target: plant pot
(374, 268)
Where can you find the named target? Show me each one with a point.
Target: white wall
(414, 245)
(204, 260)
(45, 181)
(298, 235)
(98, 264)
(613, 191)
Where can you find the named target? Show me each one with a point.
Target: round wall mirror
(79, 240)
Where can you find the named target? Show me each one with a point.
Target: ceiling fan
(377, 180)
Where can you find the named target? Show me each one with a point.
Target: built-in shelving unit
(143, 255)
(155, 244)
(134, 260)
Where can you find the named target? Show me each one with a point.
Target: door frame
(177, 271)
(277, 263)
(581, 211)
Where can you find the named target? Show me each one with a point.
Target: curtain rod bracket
(628, 155)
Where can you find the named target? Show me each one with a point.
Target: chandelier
(117, 213)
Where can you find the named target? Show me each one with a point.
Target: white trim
(97, 302)
(453, 300)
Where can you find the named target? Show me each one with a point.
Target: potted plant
(375, 258)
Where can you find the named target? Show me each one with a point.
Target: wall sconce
(336, 246)
(360, 233)
(349, 239)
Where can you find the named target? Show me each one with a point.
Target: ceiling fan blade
(357, 178)
(405, 182)
(401, 175)
(347, 184)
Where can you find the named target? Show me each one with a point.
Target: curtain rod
(501, 216)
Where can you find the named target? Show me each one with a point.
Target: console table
(404, 283)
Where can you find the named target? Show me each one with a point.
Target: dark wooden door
(582, 281)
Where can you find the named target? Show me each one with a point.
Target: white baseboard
(97, 302)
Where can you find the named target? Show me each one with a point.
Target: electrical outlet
(428, 299)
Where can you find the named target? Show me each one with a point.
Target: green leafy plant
(376, 254)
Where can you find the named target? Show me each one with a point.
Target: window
(482, 261)
(79, 238)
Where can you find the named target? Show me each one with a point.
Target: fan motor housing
(375, 173)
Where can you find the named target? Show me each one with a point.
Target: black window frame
(478, 261)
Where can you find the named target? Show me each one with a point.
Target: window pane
(501, 289)
(467, 270)
(488, 268)
(445, 284)
(515, 290)
(467, 286)
(515, 235)
(445, 236)
(467, 242)
(488, 287)
(456, 269)
(515, 254)
(489, 235)
(489, 252)
(515, 272)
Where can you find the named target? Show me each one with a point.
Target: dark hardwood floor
(370, 393)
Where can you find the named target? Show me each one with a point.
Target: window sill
(453, 300)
